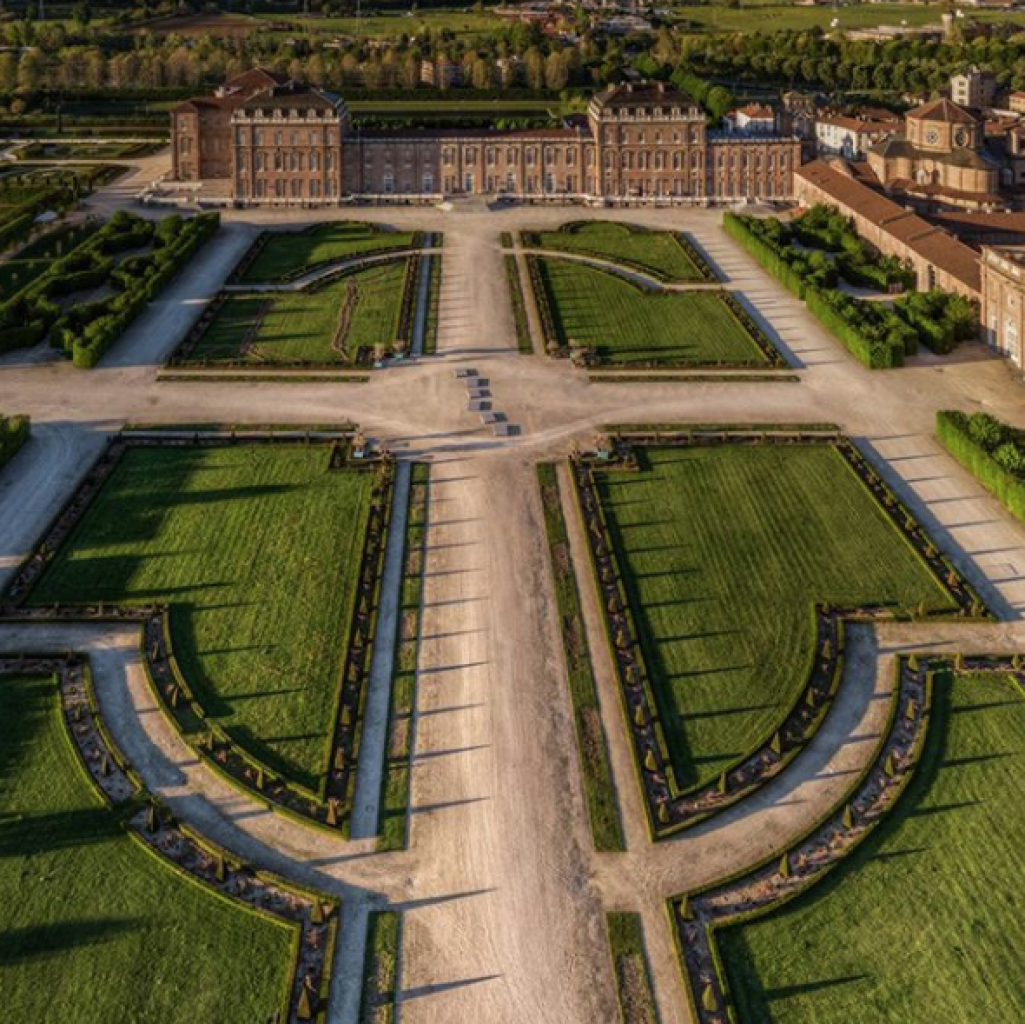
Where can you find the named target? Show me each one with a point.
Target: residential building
(973, 88)
(852, 136)
(754, 119)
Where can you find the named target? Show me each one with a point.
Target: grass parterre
(135, 940)
(278, 256)
(950, 853)
(349, 320)
(724, 550)
(256, 549)
(620, 324)
(666, 255)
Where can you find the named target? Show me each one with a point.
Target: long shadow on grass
(35, 942)
(28, 835)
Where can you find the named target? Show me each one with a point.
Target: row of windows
(512, 156)
(287, 162)
(626, 137)
(643, 161)
(297, 188)
(313, 138)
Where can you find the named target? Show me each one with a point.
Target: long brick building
(268, 141)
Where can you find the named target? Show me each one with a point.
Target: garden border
(832, 838)
(669, 807)
(312, 917)
(329, 807)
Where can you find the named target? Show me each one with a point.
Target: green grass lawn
(95, 929)
(257, 551)
(289, 252)
(299, 327)
(658, 252)
(724, 551)
(924, 921)
(627, 326)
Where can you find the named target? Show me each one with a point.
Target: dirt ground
(503, 896)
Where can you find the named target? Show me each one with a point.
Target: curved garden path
(503, 897)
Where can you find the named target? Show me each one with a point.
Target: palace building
(263, 140)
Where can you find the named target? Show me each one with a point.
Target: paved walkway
(502, 893)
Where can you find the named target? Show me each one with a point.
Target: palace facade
(268, 141)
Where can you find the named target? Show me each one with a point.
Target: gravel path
(502, 893)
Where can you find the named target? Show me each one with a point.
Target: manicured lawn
(257, 550)
(627, 326)
(724, 551)
(299, 327)
(924, 922)
(658, 252)
(290, 252)
(95, 929)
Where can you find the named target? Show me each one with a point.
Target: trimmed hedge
(875, 335)
(992, 451)
(14, 432)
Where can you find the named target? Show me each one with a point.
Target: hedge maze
(749, 573)
(150, 919)
(258, 648)
(921, 822)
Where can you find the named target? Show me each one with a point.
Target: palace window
(389, 182)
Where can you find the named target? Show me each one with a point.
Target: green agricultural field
(724, 551)
(95, 928)
(658, 252)
(257, 550)
(291, 252)
(924, 922)
(299, 327)
(627, 326)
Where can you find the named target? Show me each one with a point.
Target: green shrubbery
(86, 331)
(875, 333)
(14, 431)
(992, 451)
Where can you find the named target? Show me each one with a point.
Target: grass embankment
(380, 968)
(659, 253)
(924, 921)
(724, 551)
(592, 745)
(257, 550)
(285, 328)
(95, 928)
(628, 326)
(288, 253)
(630, 966)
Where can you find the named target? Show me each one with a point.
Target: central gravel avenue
(502, 893)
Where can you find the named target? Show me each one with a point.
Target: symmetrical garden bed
(254, 569)
(150, 919)
(931, 829)
(725, 559)
(603, 319)
(351, 318)
(667, 256)
(279, 256)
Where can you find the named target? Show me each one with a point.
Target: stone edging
(669, 807)
(313, 917)
(328, 808)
